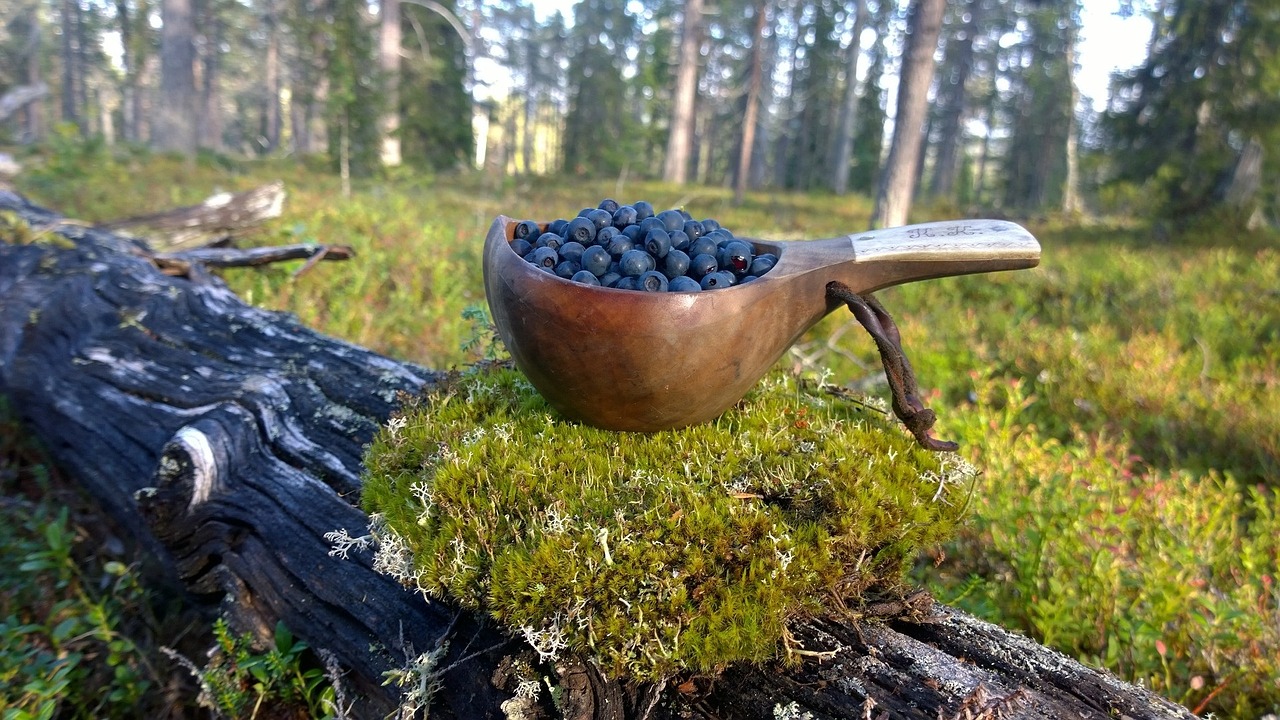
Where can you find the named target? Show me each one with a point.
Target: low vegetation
(1121, 402)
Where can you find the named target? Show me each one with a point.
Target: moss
(653, 554)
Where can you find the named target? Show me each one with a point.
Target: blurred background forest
(1122, 400)
(781, 94)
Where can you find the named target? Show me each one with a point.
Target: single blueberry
(717, 280)
(549, 240)
(522, 247)
(620, 246)
(610, 279)
(625, 215)
(650, 223)
(702, 265)
(685, 214)
(633, 232)
(672, 220)
(684, 283)
(710, 225)
(606, 234)
(658, 243)
(609, 205)
(747, 279)
(694, 229)
(586, 277)
(544, 257)
(679, 240)
(737, 258)
(596, 259)
(643, 210)
(652, 281)
(636, 262)
(567, 268)
(675, 264)
(581, 230)
(600, 218)
(763, 264)
(527, 229)
(557, 226)
(702, 246)
(626, 282)
(572, 250)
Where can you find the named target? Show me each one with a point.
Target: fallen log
(228, 440)
(217, 219)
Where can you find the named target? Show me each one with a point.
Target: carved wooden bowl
(632, 360)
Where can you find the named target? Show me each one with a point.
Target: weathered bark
(680, 141)
(215, 220)
(19, 97)
(893, 201)
(228, 441)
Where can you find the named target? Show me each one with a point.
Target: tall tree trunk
(210, 133)
(174, 126)
(389, 62)
(34, 112)
(984, 152)
(70, 17)
(954, 100)
(680, 141)
(848, 108)
(271, 78)
(1071, 204)
(85, 114)
(128, 116)
(893, 201)
(754, 83)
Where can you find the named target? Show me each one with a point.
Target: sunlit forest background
(1121, 401)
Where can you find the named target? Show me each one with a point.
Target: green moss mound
(652, 554)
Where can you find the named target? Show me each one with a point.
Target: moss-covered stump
(679, 551)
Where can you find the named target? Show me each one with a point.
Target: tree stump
(227, 441)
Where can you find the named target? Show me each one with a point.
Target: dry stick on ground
(228, 441)
(215, 220)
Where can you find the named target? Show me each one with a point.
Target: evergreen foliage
(353, 105)
(598, 129)
(435, 104)
(658, 553)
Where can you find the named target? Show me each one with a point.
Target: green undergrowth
(653, 554)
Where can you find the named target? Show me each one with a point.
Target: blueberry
(600, 218)
(581, 230)
(626, 282)
(549, 240)
(672, 220)
(557, 226)
(650, 223)
(737, 256)
(572, 250)
(610, 279)
(633, 232)
(625, 215)
(636, 262)
(606, 234)
(643, 210)
(652, 281)
(567, 268)
(658, 243)
(702, 246)
(620, 246)
(683, 283)
(763, 264)
(679, 240)
(596, 259)
(685, 215)
(586, 277)
(544, 257)
(522, 247)
(583, 212)
(526, 229)
(747, 279)
(717, 280)
(609, 205)
(675, 264)
(702, 265)
(709, 225)
(694, 229)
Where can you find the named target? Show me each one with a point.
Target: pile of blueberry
(629, 247)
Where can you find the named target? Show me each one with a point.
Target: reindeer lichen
(652, 554)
